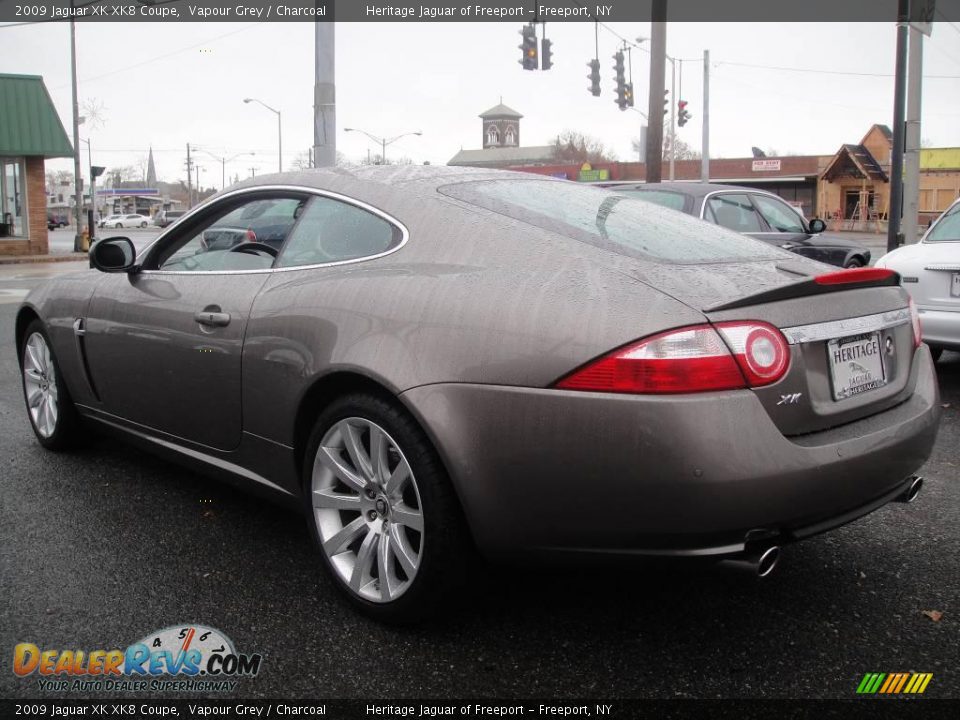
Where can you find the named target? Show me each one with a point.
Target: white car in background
(930, 272)
(125, 221)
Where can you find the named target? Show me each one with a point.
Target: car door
(164, 344)
(792, 232)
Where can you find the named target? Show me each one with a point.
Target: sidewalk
(52, 257)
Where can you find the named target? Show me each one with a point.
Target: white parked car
(125, 221)
(930, 272)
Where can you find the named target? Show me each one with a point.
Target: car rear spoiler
(817, 285)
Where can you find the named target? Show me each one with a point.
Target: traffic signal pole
(899, 100)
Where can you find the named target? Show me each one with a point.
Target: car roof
(694, 189)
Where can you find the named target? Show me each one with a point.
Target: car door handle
(212, 319)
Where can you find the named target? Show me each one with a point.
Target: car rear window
(610, 220)
(665, 198)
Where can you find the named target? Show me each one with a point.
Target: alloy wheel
(40, 382)
(367, 510)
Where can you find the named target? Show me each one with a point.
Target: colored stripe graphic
(894, 683)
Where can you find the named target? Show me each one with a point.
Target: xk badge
(790, 399)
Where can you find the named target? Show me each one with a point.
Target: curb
(66, 257)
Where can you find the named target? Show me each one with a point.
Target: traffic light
(628, 94)
(666, 102)
(546, 56)
(682, 114)
(529, 47)
(620, 79)
(594, 77)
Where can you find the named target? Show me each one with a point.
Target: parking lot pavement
(61, 241)
(104, 545)
(17, 279)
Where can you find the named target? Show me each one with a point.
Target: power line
(161, 57)
(829, 72)
(939, 12)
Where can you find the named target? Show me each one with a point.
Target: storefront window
(13, 199)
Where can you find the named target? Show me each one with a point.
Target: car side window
(779, 215)
(247, 236)
(734, 211)
(334, 231)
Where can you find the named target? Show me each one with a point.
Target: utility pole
(324, 97)
(77, 180)
(894, 236)
(705, 151)
(911, 180)
(189, 179)
(658, 53)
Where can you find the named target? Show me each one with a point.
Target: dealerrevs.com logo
(178, 658)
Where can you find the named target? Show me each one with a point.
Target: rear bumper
(547, 471)
(940, 328)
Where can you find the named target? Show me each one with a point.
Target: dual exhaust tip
(760, 562)
(912, 491)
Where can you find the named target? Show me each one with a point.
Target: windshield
(947, 228)
(612, 221)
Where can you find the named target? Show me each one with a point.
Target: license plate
(856, 365)
(955, 286)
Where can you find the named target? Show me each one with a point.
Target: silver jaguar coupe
(429, 361)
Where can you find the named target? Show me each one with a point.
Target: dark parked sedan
(438, 358)
(756, 213)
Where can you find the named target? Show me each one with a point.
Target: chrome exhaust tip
(758, 563)
(911, 493)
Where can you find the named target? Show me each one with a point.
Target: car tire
(50, 408)
(394, 552)
(143, 224)
(118, 226)
(935, 352)
(854, 262)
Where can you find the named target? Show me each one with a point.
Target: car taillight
(689, 360)
(760, 350)
(915, 320)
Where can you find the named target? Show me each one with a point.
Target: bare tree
(684, 151)
(301, 161)
(575, 147)
(126, 173)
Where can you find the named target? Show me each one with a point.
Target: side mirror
(817, 226)
(113, 255)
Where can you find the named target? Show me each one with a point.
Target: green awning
(29, 124)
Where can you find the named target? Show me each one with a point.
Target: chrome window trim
(404, 232)
(816, 332)
(751, 191)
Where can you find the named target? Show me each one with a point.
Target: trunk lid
(851, 356)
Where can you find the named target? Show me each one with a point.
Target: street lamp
(223, 164)
(279, 129)
(383, 141)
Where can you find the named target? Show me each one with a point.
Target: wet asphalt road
(100, 547)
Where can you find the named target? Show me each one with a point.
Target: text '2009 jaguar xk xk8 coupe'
(428, 360)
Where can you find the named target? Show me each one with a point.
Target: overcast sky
(169, 84)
